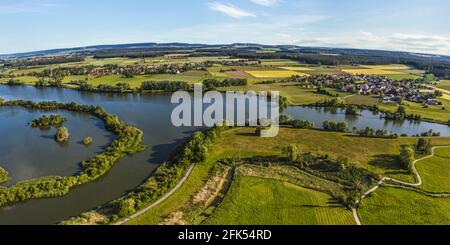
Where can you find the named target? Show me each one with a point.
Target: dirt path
(162, 199)
(384, 179)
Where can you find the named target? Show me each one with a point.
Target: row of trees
(333, 126)
(372, 133)
(300, 124)
(128, 141)
(46, 122)
(166, 86)
(212, 84)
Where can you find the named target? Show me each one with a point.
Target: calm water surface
(29, 153)
(150, 113)
(366, 119)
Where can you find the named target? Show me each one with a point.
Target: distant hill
(245, 46)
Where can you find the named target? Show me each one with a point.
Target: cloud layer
(230, 10)
(266, 3)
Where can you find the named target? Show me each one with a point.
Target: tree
(407, 157)
(424, 146)
(292, 152)
(351, 110)
(401, 111)
(62, 135)
(87, 141)
(126, 207)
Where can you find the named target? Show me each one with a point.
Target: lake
(365, 119)
(151, 113)
(29, 153)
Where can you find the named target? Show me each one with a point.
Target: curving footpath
(162, 199)
(384, 179)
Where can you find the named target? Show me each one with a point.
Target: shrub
(87, 141)
(62, 135)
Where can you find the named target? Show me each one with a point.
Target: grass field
(390, 206)
(362, 100)
(374, 154)
(256, 201)
(435, 172)
(445, 84)
(275, 74)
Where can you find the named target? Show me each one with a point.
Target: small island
(87, 141)
(47, 122)
(3, 175)
(62, 135)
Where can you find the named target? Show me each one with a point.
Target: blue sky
(407, 25)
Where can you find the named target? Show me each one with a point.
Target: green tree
(62, 135)
(87, 141)
(292, 152)
(351, 110)
(407, 157)
(424, 146)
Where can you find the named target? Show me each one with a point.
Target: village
(388, 90)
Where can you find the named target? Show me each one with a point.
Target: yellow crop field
(387, 67)
(275, 74)
(445, 93)
(296, 68)
(371, 72)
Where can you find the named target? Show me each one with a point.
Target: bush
(3, 175)
(87, 141)
(46, 122)
(335, 126)
(62, 135)
(407, 157)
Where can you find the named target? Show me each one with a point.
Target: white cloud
(230, 10)
(266, 3)
(409, 42)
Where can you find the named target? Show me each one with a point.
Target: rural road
(384, 179)
(162, 199)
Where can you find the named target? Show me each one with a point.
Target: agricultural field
(391, 71)
(275, 73)
(391, 206)
(259, 201)
(445, 84)
(435, 172)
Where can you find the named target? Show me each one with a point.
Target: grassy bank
(257, 201)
